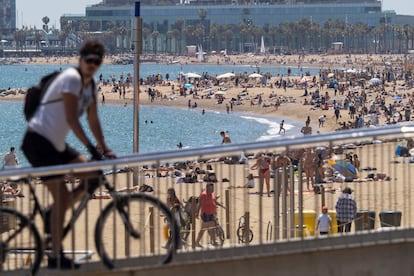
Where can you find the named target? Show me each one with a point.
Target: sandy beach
(271, 100)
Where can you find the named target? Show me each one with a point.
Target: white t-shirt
(250, 183)
(324, 221)
(49, 119)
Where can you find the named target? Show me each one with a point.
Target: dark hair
(347, 190)
(93, 47)
(12, 149)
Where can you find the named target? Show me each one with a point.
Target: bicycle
(219, 232)
(22, 247)
(241, 232)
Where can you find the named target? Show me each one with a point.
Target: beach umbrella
(255, 76)
(225, 76)
(331, 75)
(306, 79)
(220, 93)
(192, 75)
(188, 85)
(345, 168)
(397, 98)
(375, 81)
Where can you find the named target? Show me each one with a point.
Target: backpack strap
(93, 85)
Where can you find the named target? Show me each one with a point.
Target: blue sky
(31, 12)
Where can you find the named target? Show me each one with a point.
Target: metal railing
(381, 185)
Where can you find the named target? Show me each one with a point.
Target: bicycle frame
(81, 206)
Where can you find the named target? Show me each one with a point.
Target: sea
(160, 128)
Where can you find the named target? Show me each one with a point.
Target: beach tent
(344, 167)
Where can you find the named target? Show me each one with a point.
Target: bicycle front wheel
(21, 248)
(136, 229)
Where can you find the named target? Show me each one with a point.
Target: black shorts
(207, 218)
(40, 152)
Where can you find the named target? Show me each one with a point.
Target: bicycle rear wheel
(220, 234)
(21, 248)
(136, 229)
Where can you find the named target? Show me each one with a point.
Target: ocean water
(160, 128)
(16, 76)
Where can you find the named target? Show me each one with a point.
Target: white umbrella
(192, 75)
(331, 75)
(220, 93)
(375, 80)
(255, 75)
(226, 76)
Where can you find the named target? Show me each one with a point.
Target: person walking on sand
(263, 165)
(206, 210)
(10, 159)
(346, 209)
(281, 127)
(44, 143)
(226, 138)
(324, 222)
(321, 120)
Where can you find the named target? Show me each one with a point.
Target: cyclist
(71, 93)
(207, 204)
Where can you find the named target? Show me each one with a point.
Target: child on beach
(250, 181)
(324, 223)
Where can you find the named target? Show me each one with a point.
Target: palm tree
(202, 13)
(122, 32)
(154, 36)
(214, 36)
(176, 36)
(179, 24)
(189, 34)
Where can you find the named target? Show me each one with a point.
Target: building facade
(7, 16)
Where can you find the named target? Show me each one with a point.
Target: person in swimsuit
(263, 165)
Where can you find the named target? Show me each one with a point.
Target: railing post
(151, 229)
(193, 221)
(247, 227)
(227, 214)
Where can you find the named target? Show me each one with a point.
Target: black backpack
(35, 94)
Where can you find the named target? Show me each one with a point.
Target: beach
(254, 96)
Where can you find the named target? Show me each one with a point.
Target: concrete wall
(370, 254)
